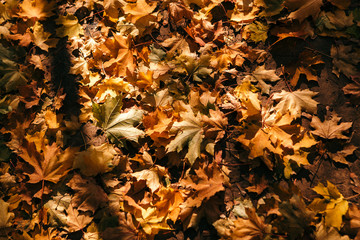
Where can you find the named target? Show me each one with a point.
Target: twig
(317, 169)
(351, 197)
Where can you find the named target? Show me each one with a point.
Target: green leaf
(118, 125)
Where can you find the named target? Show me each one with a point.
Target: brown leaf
(89, 196)
(250, 229)
(77, 221)
(206, 183)
(303, 9)
(329, 129)
(50, 163)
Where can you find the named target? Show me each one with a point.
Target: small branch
(317, 169)
(351, 197)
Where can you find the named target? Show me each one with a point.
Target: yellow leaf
(138, 10)
(41, 38)
(332, 205)
(70, 26)
(5, 215)
(95, 159)
(39, 9)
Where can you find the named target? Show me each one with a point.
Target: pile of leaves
(177, 119)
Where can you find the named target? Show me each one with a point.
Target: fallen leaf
(138, 9)
(303, 9)
(89, 196)
(332, 204)
(294, 102)
(340, 156)
(50, 163)
(206, 183)
(150, 176)
(5, 215)
(118, 125)
(70, 26)
(77, 221)
(260, 75)
(95, 159)
(330, 129)
(189, 132)
(251, 228)
(38, 9)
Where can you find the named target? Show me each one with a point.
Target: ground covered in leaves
(179, 119)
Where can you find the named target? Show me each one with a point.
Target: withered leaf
(89, 196)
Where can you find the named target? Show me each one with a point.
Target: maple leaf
(38, 9)
(294, 102)
(256, 32)
(138, 10)
(118, 125)
(189, 131)
(345, 58)
(118, 56)
(112, 87)
(332, 205)
(5, 215)
(353, 89)
(75, 220)
(49, 163)
(271, 7)
(325, 233)
(250, 229)
(95, 159)
(243, 12)
(303, 9)
(150, 176)
(125, 231)
(56, 209)
(260, 75)
(89, 196)
(330, 129)
(306, 65)
(249, 99)
(112, 7)
(41, 38)
(12, 77)
(206, 183)
(215, 125)
(70, 26)
(340, 156)
(298, 218)
(158, 124)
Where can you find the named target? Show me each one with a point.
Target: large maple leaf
(332, 204)
(118, 125)
(95, 159)
(89, 196)
(118, 56)
(190, 132)
(206, 183)
(50, 163)
(294, 102)
(330, 129)
(39, 9)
